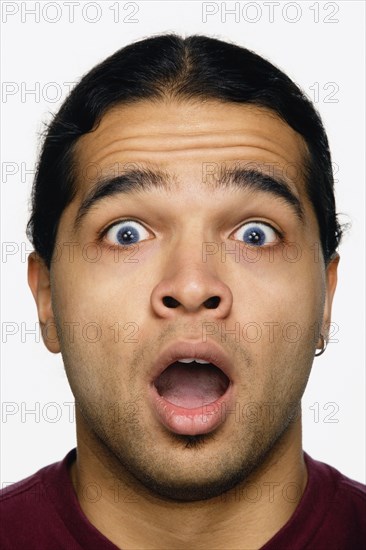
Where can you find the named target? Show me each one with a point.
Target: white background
(38, 53)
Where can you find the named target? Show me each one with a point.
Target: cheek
(279, 321)
(279, 292)
(94, 320)
(92, 288)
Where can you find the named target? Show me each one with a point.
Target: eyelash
(280, 236)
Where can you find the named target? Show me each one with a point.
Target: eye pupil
(254, 236)
(126, 235)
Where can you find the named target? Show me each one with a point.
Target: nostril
(168, 301)
(212, 302)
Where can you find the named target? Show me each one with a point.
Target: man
(185, 264)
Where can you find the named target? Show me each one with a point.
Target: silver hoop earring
(324, 346)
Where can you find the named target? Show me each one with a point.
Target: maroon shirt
(42, 512)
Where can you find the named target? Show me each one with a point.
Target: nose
(191, 286)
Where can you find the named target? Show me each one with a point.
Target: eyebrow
(145, 179)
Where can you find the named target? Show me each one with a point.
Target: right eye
(125, 233)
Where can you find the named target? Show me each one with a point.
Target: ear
(40, 285)
(331, 284)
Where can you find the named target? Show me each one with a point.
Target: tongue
(191, 385)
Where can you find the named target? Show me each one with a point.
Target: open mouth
(191, 383)
(192, 387)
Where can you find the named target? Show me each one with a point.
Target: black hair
(169, 66)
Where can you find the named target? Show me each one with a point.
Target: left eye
(257, 234)
(126, 232)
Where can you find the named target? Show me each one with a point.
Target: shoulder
(351, 491)
(343, 502)
(28, 506)
(24, 492)
(331, 513)
(31, 489)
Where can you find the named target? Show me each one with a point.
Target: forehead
(180, 136)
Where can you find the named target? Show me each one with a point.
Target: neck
(131, 516)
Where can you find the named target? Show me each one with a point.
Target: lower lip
(200, 420)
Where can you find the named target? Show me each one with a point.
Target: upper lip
(208, 351)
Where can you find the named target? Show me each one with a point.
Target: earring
(324, 346)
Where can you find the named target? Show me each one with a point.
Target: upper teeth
(190, 360)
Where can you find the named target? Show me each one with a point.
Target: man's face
(110, 307)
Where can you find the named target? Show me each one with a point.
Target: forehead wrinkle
(189, 145)
(143, 137)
